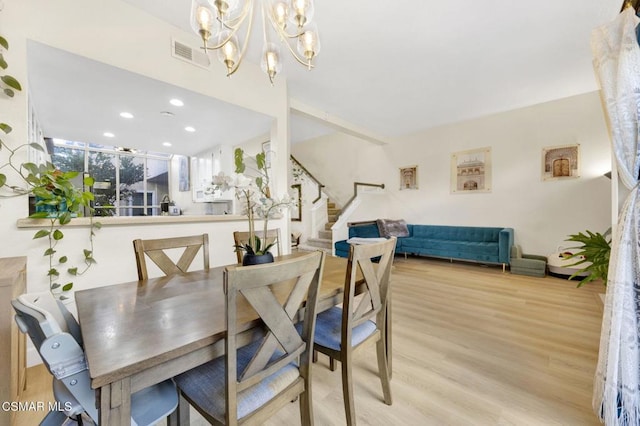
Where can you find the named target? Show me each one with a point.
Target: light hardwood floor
(472, 346)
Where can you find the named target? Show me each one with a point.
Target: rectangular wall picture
(561, 162)
(471, 171)
(409, 177)
(296, 211)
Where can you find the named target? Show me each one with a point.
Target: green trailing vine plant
(57, 198)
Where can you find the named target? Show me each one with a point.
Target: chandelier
(219, 24)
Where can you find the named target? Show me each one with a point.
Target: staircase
(324, 240)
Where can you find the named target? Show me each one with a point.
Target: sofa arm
(505, 242)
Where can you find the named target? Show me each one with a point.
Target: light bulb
(228, 53)
(302, 12)
(309, 44)
(281, 13)
(202, 19)
(270, 62)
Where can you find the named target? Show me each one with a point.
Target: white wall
(542, 213)
(120, 35)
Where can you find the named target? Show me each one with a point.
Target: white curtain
(616, 396)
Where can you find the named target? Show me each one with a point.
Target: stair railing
(355, 193)
(316, 181)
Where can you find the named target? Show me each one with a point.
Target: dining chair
(267, 366)
(51, 329)
(157, 249)
(242, 237)
(361, 319)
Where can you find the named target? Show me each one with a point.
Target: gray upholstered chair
(263, 368)
(52, 330)
(341, 331)
(527, 264)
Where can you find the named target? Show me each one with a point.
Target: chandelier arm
(234, 29)
(281, 31)
(246, 43)
(264, 25)
(234, 24)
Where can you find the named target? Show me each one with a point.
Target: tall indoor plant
(255, 195)
(593, 253)
(57, 198)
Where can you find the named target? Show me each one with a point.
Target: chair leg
(332, 364)
(315, 356)
(306, 408)
(383, 371)
(347, 391)
(181, 414)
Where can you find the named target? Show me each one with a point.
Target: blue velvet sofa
(473, 243)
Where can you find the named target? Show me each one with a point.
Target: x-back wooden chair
(256, 377)
(341, 331)
(242, 237)
(155, 250)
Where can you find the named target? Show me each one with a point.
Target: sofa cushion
(392, 228)
(364, 231)
(457, 233)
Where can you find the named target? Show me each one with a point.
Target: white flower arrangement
(256, 197)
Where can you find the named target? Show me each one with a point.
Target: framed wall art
(471, 171)
(409, 177)
(561, 162)
(296, 211)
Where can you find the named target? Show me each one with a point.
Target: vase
(257, 259)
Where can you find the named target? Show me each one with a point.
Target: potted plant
(57, 199)
(593, 254)
(255, 195)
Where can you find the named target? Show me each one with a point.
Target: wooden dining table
(140, 333)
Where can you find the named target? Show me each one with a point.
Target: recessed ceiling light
(166, 143)
(126, 115)
(176, 102)
(108, 134)
(166, 113)
(190, 129)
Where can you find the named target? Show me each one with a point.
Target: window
(127, 183)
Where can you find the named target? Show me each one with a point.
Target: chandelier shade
(222, 23)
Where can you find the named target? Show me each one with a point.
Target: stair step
(328, 225)
(333, 211)
(325, 235)
(331, 205)
(333, 218)
(306, 247)
(319, 242)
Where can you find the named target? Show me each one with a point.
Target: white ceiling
(392, 68)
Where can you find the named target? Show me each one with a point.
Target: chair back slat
(374, 276)
(277, 292)
(156, 251)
